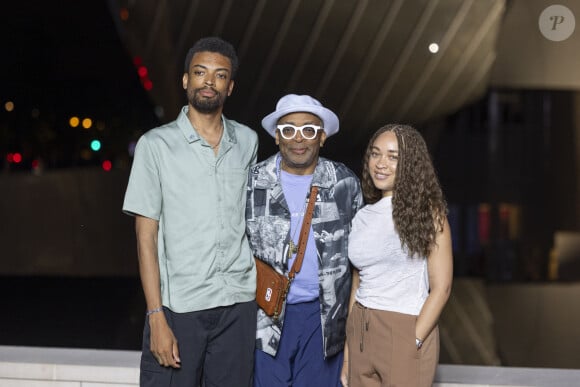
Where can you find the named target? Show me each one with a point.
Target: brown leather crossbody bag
(271, 286)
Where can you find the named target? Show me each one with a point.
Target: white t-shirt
(390, 279)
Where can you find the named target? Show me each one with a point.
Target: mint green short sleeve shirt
(199, 200)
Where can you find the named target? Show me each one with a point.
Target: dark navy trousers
(300, 359)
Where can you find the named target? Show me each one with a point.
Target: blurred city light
(107, 165)
(147, 84)
(87, 123)
(95, 145)
(74, 122)
(86, 154)
(124, 14)
(9, 106)
(131, 148)
(15, 158)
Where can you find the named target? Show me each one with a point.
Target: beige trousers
(382, 350)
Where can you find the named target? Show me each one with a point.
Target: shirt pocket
(234, 188)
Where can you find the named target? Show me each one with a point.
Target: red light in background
(10, 157)
(17, 157)
(107, 165)
(124, 14)
(143, 73)
(35, 163)
(484, 223)
(147, 84)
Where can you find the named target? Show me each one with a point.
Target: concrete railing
(488, 376)
(65, 367)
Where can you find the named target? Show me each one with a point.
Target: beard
(203, 104)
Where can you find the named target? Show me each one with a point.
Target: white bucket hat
(293, 103)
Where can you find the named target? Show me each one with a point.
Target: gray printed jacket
(268, 228)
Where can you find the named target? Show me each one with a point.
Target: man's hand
(163, 342)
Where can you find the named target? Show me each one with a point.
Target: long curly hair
(419, 208)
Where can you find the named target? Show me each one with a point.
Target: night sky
(63, 59)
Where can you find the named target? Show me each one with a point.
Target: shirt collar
(191, 134)
(324, 174)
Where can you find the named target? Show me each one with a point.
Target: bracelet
(150, 312)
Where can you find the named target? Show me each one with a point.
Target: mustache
(207, 88)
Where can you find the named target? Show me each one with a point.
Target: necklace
(220, 137)
(292, 248)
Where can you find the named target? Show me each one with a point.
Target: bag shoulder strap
(304, 231)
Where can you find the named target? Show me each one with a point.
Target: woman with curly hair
(400, 246)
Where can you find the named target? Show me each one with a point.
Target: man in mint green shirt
(187, 191)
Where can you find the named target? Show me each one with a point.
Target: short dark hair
(213, 44)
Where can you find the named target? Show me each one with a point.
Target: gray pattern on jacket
(268, 228)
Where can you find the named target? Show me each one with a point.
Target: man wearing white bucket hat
(303, 347)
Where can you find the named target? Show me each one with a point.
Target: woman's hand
(344, 371)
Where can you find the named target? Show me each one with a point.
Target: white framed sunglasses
(308, 131)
